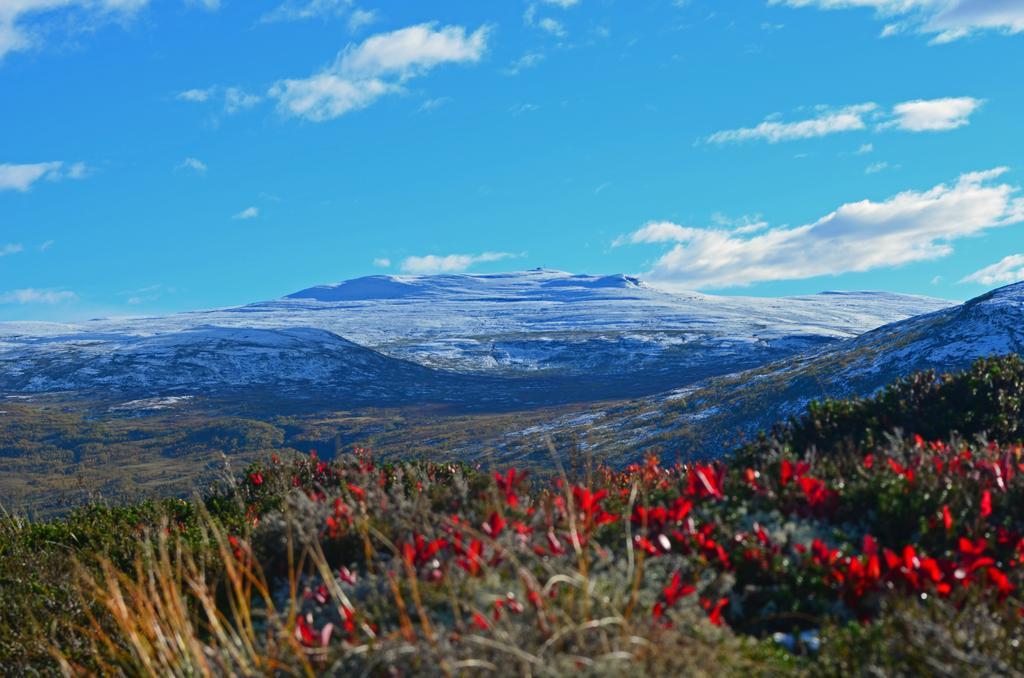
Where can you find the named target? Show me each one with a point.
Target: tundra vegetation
(880, 536)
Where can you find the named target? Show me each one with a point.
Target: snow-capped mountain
(707, 418)
(610, 330)
(553, 321)
(192, 359)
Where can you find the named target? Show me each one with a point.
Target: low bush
(886, 555)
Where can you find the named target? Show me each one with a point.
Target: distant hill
(512, 339)
(711, 417)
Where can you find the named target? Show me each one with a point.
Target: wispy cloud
(547, 23)
(382, 262)
(773, 131)
(919, 115)
(302, 10)
(22, 177)
(194, 164)
(378, 66)
(451, 263)
(25, 23)
(528, 60)
(433, 104)
(197, 95)
(522, 109)
(236, 99)
(37, 296)
(16, 16)
(247, 213)
(299, 10)
(47, 244)
(1005, 271)
(876, 167)
(552, 26)
(10, 248)
(232, 99)
(360, 18)
(858, 236)
(944, 20)
(147, 294)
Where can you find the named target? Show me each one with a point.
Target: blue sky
(160, 155)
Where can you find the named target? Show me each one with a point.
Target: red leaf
(786, 472)
(986, 504)
(715, 614)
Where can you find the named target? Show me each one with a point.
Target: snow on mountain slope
(950, 339)
(202, 358)
(539, 322)
(708, 418)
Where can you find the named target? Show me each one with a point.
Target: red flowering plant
(425, 567)
(759, 544)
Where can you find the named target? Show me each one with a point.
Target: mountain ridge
(710, 417)
(610, 333)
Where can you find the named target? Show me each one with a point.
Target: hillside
(119, 432)
(551, 336)
(713, 416)
(904, 556)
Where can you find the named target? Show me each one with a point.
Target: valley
(98, 409)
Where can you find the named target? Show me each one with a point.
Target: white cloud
(865, 149)
(1005, 271)
(382, 262)
(21, 177)
(37, 296)
(46, 245)
(17, 32)
(193, 164)
(452, 263)
(945, 20)
(564, 4)
(379, 65)
(965, 17)
(876, 167)
(655, 232)
(934, 115)
(919, 115)
(10, 248)
(326, 96)
(247, 213)
(859, 236)
(828, 122)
